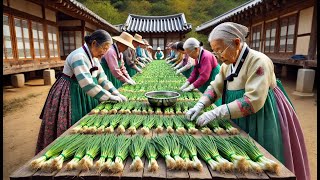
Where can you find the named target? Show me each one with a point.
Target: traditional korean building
(39, 34)
(158, 30)
(278, 28)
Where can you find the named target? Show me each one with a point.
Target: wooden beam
(313, 37)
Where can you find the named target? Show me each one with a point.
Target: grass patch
(16, 103)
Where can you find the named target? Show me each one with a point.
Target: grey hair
(191, 44)
(228, 31)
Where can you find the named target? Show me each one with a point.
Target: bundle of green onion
(176, 149)
(187, 142)
(82, 123)
(54, 150)
(79, 154)
(214, 125)
(178, 125)
(255, 154)
(135, 123)
(104, 123)
(206, 130)
(115, 120)
(107, 108)
(188, 164)
(92, 151)
(108, 152)
(121, 153)
(152, 155)
(136, 149)
(205, 155)
(124, 123)
(158, 111)
(158, 124)
(227, 151)
(96, 124)
(97, 109)
(168, 123)
(229, 128)
(163, 147)
(148, 123)
(191, 126)
(86, 128)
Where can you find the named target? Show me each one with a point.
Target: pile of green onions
(124, 123)
(152, 155)
(92, 151)
(229, 128)
(104, 123)
(214, 125)
(168, 123)
(107, 152)
(158, 124)
(187, 142)
(136, 149)
(178, 125)
(121, 153)
(135, 123)
(163, 147)
(148, 123)
(115, 120)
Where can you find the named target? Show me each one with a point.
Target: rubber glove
(194, 112)
(189, 88)
(115, 98)
(186, 84)
(123, 97)
(221, 112)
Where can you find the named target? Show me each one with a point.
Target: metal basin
(162, 102)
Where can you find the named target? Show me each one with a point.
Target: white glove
(115, 98)
(194, 112)
(134, 83)
(186, 84)
(220, 112)
(130, 82)
(178, 72)
(189, 88)
(123, 97)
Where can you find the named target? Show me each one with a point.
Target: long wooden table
(24, 173)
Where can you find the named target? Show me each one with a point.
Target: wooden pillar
(83, 29)
(45, 29)
(313, 36)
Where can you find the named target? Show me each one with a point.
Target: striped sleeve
(85, 80)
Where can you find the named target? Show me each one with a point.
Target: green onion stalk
(107, 108)
(152, 155)
(97, 109)
(135, 122)
(137, 109)
(158, 124)
(188, 164)
(94, 128)
(104, 123)
(229, 128)
(206, 130)
(129, 107)
(255, 154)
(253, 165)
(178, 109)
(168, 123)
(108, 152)
(47, 166)
(144, 109)
(136, 150)
(55, 149)
(148, 123)
(187, 142)
(178, 125)
(82, 123)
(121, 153)
(115, 120)
(79, 154)
(163, 147)
(92, 151)
(205, 155)
(124, 123)
(158, 111)
(214, 125)
(190, 126)
(150, 110)
(86, 128)
(67, 152)
(226, 150)
(103, 154)
(123, 108)
(176, 149)
(211, 147)
(116, 107)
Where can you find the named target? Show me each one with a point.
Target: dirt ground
(21, 123)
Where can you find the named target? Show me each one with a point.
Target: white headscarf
(228, 31)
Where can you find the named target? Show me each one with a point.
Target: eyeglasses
(190, 52)
(105, 49)
(218, 54)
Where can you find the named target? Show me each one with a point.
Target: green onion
(138, 144)
(123, 124)
(176, 149)
(178, 125)
(104, 123)
(107, 108)
(214, 125)
(255, 154)
(135, 122)
(206, 130)
(121, 153)
(74, 163)
(97, 109)
(229, 128)
(191, 126)
(96, 124)
(82, 123)
(152, 155)
(55, 149)
(147, 125)
(168, 123)
(113, 123)
(158, 124)
(92, 151)
(205, 155)
(187, 165)
(86, 128)
(108, 151)
(163, 147)
(187, 142)
(158, 111)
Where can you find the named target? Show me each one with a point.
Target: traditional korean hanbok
(129, 55)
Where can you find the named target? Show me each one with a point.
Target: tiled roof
(228, 14)
(156, 24)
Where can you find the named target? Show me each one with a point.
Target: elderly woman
(159, 54)
(80, 88)
(186, 65)
(113, 64)
(253, 99)
(205, 69)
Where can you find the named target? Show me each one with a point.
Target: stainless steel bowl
(162, 102)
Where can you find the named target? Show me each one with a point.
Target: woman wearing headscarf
(79, 89)
(253, 98)
(112, 62)
(159, 54)
(129, 55)
(186, 65)
(205, 69)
